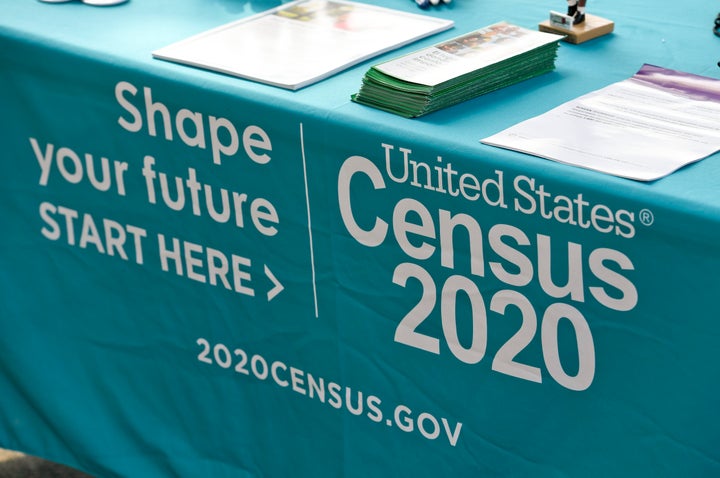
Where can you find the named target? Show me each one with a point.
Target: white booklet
(302, 42)
(642, 128)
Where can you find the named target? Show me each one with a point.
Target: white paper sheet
(642, 128)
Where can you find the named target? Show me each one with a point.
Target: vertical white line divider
(309, 221)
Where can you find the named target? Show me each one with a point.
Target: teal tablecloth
(298, 306)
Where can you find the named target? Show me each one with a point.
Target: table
(284, 298)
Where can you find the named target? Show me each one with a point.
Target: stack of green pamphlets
(458, 69)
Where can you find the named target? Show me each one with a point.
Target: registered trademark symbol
(646, 217)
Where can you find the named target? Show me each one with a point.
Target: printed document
(642, 128)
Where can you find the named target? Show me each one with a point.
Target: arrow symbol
(277, 286)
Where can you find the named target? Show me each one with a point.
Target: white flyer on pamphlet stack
(302, 42)
(642, 128)
(471, 52)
